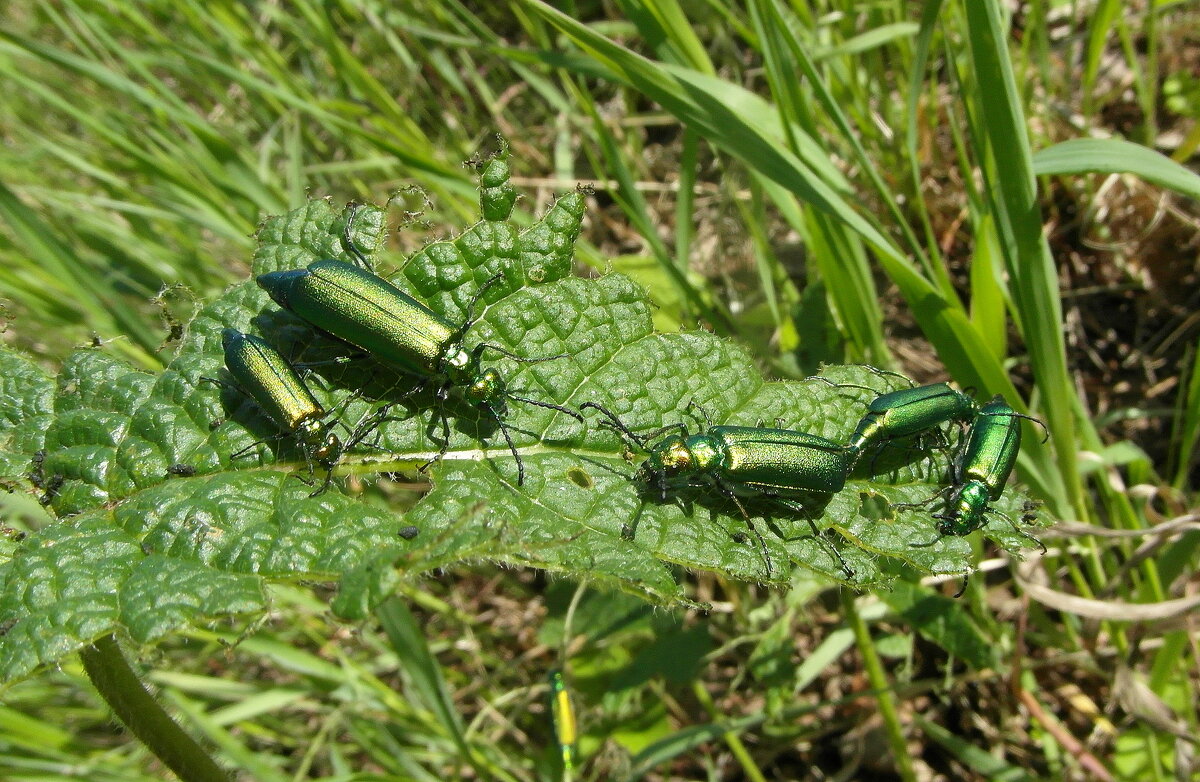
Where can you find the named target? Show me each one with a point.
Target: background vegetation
(885, 182)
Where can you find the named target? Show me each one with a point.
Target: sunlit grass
(145, 142)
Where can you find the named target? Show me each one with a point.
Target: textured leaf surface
(581, 512)
(160, 526)
(26, 407)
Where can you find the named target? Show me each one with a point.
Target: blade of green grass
(1186, 432)
(916, 81)
(412, 650)
(1100, 26)
(61, 279)
(253, 763)
(871, 39)
(663, 24)
(1115, 156)
(685, 200)
(1012, 193)
(987, 287)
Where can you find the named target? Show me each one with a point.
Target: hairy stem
(144, 716)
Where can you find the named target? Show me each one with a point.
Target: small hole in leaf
(875, 507)
(580, 478)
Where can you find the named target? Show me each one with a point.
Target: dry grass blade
(1031, 576)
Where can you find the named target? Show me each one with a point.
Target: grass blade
(1013, 198)
(1115, 156)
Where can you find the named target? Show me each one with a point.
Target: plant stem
(732, 740)
(144, 716)
(881, 687)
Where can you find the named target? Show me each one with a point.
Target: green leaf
(141, 551)
(943, 621)
(870, 40)
(1115, 156)
(26, 403)
(581, 513)
(180, 553)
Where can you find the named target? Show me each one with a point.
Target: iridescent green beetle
(375, 316)
(980, 472)
(983, 468)
(740, 461)
(261, 373)
(907, 412)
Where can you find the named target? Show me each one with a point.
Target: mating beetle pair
(983, 467)
(366, 311)
(780, 465)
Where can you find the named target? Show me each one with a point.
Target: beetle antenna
(257, 443)
(887, 373)
(348, 240)
(922, 504)
(1038, 421)
(1031, 419)
(477, 353)
(216, 381)
(616, 423)
(829, 382)
(693, 404)
(511, 446)
(548, 405)
(475, 297)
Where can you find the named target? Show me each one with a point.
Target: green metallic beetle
(983, 468)
(980, 473)
(740, 461)
(375, 316)
(261, 373)
(907, 412)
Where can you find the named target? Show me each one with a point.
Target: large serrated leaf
(160, 525)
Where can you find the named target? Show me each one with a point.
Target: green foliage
(142, 144)
(144, 552)
(28, 396)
